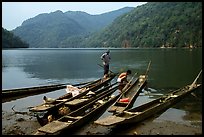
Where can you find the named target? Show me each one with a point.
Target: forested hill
(9, 40)
(155, 24)
(58, 29)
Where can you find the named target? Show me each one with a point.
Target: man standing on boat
(122, 79)
(106, 60)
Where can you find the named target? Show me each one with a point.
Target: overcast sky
(14, 13)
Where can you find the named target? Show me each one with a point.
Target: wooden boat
(142, 112)
(57, 103)
(128, 97)
(73, 105)
(81, 116)
(10, 94)
(130, 93)
(77, 102)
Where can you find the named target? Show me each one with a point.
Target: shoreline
(18, 124)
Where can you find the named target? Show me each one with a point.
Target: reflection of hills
(72, 67)
(52, 64)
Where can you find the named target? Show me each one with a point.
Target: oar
(147, 71)
(126, 86)
(148, 68)
(194, 82)
(109, 69)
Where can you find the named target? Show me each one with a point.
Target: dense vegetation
(9, 40)
(155, 24)
(58, 29)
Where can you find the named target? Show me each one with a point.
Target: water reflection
(170, 69)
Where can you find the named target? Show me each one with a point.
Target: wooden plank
(76, 101)
(109, 120)
(77, 117)
(61, 100)
(54, 127)
(116, 109)
(42, 107)
(132, 113)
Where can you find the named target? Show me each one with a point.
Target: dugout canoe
(73, 105)
(11, 94)
(149, 109)
(81, 116)
(128, 97)
(77, 102)
(130, 93)
(57, 103)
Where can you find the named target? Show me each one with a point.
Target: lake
(170, 69)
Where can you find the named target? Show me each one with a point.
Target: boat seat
(116, 109)
(119, 109)
(122, 103)
(61, 100)
(53, 127)
(132, 113)
(77, 117)
(76, 102)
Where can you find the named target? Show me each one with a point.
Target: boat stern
(109, 121)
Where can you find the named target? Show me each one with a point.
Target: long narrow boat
(128, 97)
(11, 94)
(130, 93)
(142, 112)
(77, 102)
(73, 105)
(81, 116)
(57, 103)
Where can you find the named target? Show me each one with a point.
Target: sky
(14, 13)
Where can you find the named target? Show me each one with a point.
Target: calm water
(170, 69)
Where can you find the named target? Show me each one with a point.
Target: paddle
(148, 68)
(192, 85)
(109, 69)
(136, 73)
(126, 86)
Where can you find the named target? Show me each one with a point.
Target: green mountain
(96, 22)
(58, 29)
(9, 40)
(155, 24)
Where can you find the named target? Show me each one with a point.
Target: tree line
(9, 40)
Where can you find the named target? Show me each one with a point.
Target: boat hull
(65, 98)
(131, 93)
(12, 94)
(79, 117)
(142, 112)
